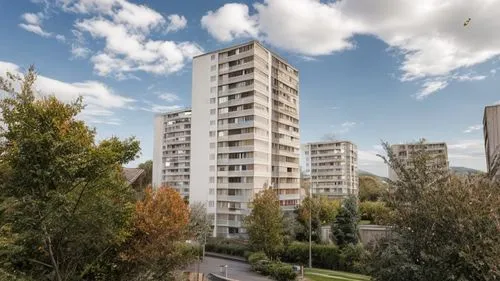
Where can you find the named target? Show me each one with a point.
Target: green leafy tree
(345, 227)
(446, 227)
(265, 223)
(64, 205)
(148, 172)
(376, 212)
(370, 188)
(323, 212)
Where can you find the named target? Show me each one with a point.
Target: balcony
(235, 79)
(242, 66)
(235, 186)
(236, 90)
(232, 223)
(235, 173)
(238, 113)
(232, 198)
(240, 125)
(228, 149)
(226, 58)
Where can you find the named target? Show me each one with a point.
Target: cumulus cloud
(155, 108)
(35, 29)
(467, 153)
(176, 22)
(428, 35)
(100, 100)
(474, 128)
(31, 18)
(229, 22)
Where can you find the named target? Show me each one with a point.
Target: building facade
(172, 151)
(332, 167)
(245, 132)
(404, 152)
(491, 129)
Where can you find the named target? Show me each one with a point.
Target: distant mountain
(464, 171)
(365, 173)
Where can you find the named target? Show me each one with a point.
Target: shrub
(254, 257)
(282, 271)
(323, 256)
(231, 247)
(376, 212)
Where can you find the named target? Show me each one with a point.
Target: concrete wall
(367, 233)
(491, 133)
(157, 150)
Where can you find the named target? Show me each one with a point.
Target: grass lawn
(315, 274)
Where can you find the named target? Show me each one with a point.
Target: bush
(323, 256)
(277, 270)
(376, 212)
(228, 247)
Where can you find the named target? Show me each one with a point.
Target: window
(210, 204)
(212, 100)
(213, 89)
(212, 156)
(212, 145)
(212, 57)
(211, 191)
(211, 180)
(212, 122)
(211, 168)
(233, 230)
(212, 78)
(212, 111)
(213, 68)
(211, 134)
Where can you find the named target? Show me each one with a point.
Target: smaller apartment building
(491, 129)
(404, 152)
(332, 167)
(172, 152)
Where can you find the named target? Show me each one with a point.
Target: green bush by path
(275, 269)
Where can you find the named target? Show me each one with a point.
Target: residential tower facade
(491, 129)
(245, 132)
(332, 167)
(405, 152)
(172, 151)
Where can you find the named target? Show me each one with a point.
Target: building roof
(131, 174)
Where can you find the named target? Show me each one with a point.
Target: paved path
(236, 269)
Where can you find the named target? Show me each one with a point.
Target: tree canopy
(265, 223)
(63, 201)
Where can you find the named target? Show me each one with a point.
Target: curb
(226, 257)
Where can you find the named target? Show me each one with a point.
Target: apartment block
(332, 167)
(491, 129)
(404, 152)
(172, 150)
(245, 132)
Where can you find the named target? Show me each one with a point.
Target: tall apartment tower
(404, 152)
(333, 168)
(171, 159)
(245, 132)
(491, 127)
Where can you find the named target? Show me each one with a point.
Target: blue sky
(369, 71)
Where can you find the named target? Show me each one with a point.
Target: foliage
(277, 270)
(227, 246)
(323, 212)
(351, 258)
(200, 223)
(157, 246)
(446, 227)
(64, 205)
(265, 223)
(345, 227)
(148, 171)
(376, 212)
(370, 188)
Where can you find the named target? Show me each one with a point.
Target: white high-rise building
(332, 167)
(245, 132)
(404, 152)
(171, 158)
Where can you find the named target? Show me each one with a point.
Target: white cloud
(428, 35)
(79, 52)
(471, 129)
(493, 71)
(431, 87)
(497, 102)
(126, 30)
(100, 100)
(32, 19)
(229, 22)
(168, 97)
(468, 77)
(370, 162)
(176, 22)
(161, 108)
(467, 153)
(35, 29)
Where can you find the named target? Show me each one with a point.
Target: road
(236, 270)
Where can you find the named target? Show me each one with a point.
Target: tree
(200, 223)
(265, 223)
(148, 171)
(446, 226)
(324, 212)
(370, 188)
(64, 205)
(376, 212)
(345, 227)
(157, 247)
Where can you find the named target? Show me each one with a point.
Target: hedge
(277, 270)
(228, 247)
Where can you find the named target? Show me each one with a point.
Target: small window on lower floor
(233, 230)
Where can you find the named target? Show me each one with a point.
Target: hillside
(464, 171)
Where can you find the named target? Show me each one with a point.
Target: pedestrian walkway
(238, 270)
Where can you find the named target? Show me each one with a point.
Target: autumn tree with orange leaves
(157, 247)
